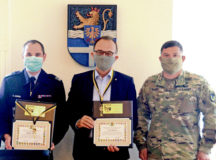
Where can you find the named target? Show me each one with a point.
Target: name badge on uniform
(16, 96)
(44, 96)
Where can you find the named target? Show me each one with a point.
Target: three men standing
(169, 104)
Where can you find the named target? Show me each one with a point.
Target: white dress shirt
(102, 84)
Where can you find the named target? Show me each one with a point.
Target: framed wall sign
(87, 23)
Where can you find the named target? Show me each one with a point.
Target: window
(194, 26)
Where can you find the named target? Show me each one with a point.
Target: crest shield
(86, 24)
(91, 33)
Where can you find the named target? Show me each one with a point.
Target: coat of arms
(87, 23)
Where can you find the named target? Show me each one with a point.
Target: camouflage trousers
(156, 154)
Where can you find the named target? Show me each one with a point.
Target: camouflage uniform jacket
(168, 117)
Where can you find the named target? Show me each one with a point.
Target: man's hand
(143, 154)
(112, 148)
(7, 138)
(52, 146)
(85, 122)
(202, 156)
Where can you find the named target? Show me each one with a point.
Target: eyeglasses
(107, 53)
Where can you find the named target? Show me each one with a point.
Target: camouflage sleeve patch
(208, 108)
(212, 97)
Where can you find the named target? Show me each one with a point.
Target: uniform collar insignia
(181, 79)
(160, 80)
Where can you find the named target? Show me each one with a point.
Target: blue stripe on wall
(76, 42)
(81, 58)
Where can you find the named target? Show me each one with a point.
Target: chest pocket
(188, 104)
(188, 99)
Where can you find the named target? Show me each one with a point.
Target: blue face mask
(33, 64)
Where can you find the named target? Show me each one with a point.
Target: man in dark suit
(32, 83)
(82, 94)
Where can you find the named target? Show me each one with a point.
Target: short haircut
(33, 42)
(171, 44)
(106, 38)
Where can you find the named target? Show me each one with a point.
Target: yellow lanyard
(35, 118)
(96, 86)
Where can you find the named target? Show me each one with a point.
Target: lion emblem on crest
(93, 18)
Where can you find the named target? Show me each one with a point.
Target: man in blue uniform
(33, 83)
(101, 84)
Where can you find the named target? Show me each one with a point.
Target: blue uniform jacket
(17, 86)
(80, 103)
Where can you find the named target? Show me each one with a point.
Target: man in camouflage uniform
(169, 108)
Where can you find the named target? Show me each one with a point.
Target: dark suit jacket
(80, 103)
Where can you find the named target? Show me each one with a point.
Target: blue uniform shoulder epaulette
(13, 74)
(54, 77)
(16, 72)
